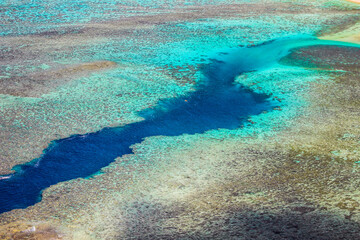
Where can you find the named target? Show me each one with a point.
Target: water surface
(216, 103)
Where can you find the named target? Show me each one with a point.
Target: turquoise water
(20, 17)
(216, 103)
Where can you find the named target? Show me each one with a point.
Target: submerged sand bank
(350, 34)
(354, 1)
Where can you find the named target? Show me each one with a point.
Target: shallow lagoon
(216, 103)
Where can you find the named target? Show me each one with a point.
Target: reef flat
(287, 173)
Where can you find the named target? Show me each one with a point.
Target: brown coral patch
(35, 84)
(20, 230)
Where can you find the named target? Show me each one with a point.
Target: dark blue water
(216, 103)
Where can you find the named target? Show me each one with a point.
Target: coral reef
(289, 173)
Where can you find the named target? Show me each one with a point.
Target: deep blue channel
(216, 103)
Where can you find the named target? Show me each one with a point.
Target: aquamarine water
(216, 103)
(20, 17)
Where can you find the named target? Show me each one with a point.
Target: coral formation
(289, 173)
